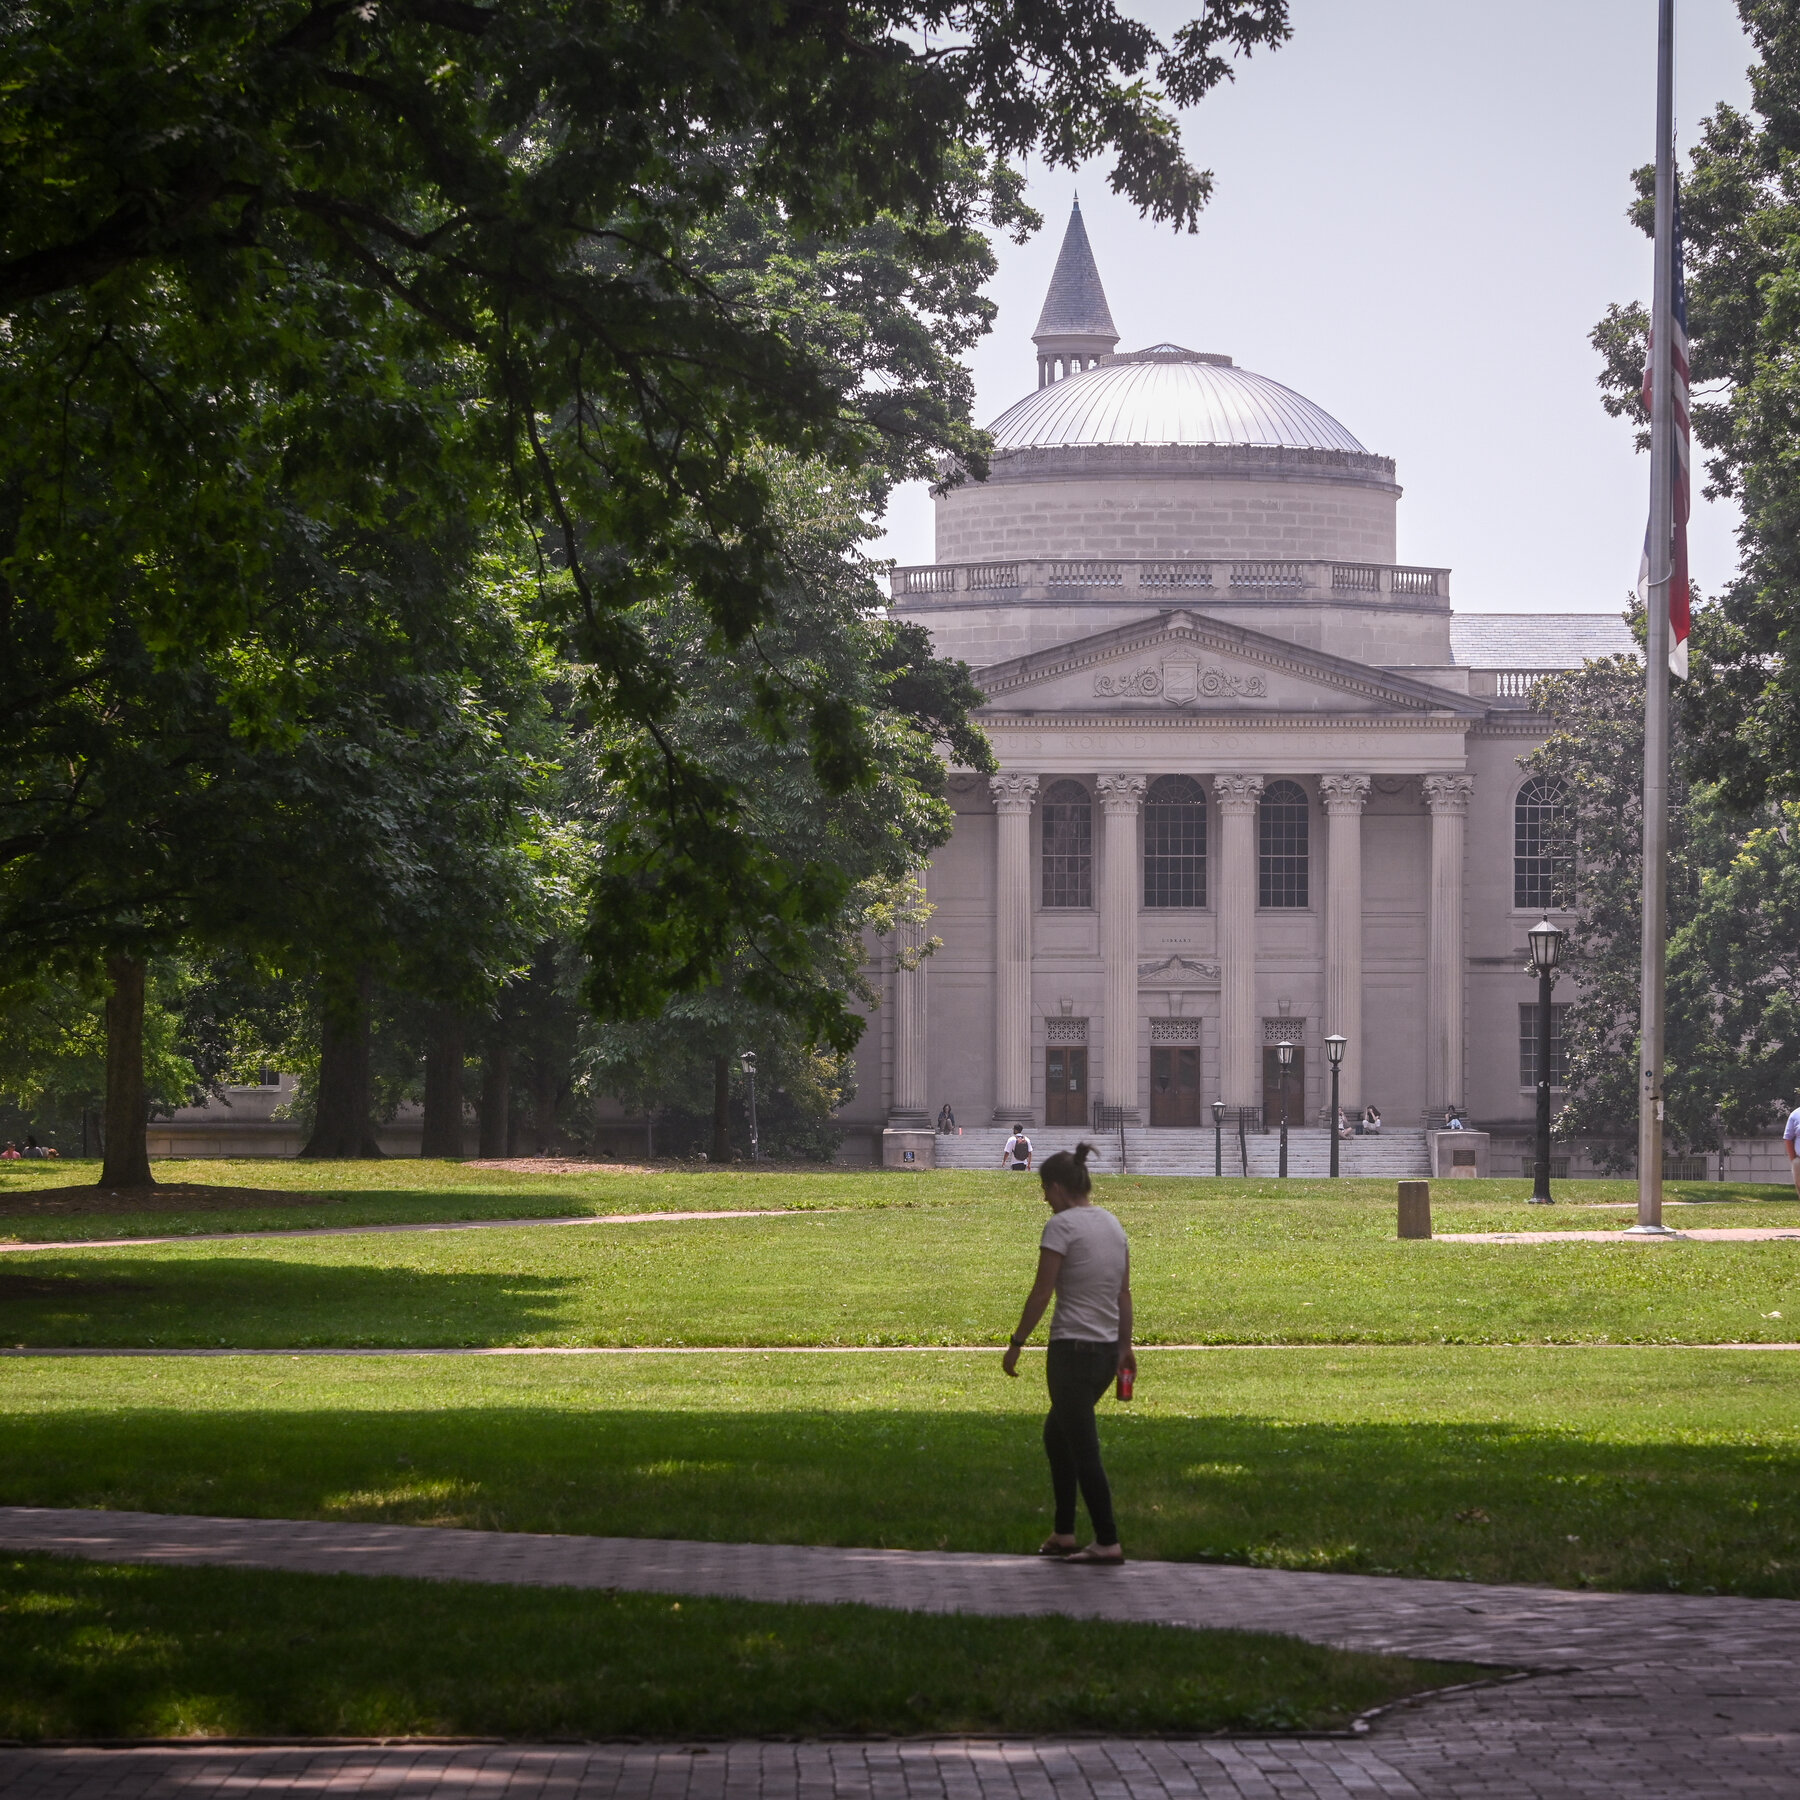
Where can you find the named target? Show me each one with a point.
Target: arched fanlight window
(1068, 845)
(1283, 833)
(1539, 849)
(1175, 842)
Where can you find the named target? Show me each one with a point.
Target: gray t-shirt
(1096, 1259)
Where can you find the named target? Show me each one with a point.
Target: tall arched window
(1283, 829)
(1068, 845)
(1540, 853)
(1175, 842)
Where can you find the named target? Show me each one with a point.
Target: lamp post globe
(747, 1062)
(1218, 1113)
(1284, 1057)
(1546, 942)
(1334, 1054)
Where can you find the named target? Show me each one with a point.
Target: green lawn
(59, 1201)
(1658, 1469)
(938, 1260)
(94, 1651)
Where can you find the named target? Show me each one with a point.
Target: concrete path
(1697, 1234)
(326, 1231)
(1641, 1695)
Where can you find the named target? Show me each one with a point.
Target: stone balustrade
(1154, 581)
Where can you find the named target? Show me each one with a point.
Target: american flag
(1678, 549)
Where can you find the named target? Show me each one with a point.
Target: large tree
(1733, 1027)
(1741, 221)
(285, 268)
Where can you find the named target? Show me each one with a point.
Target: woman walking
(1084, 1260)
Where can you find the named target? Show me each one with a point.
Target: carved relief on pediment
(1180, 681)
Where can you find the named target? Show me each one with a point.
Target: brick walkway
(1641, 1695)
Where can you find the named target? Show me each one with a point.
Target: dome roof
(1168, 395)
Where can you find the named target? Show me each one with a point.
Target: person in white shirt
(1371, 1121)
(1085, 1261)
(1790, 1140)
(1017, 1154)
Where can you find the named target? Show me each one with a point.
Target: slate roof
(1076, 304)
(1536, 640)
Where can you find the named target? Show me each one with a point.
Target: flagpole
(1656, 650)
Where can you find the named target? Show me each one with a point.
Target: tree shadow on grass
(1474, 1501)
(265, 1302)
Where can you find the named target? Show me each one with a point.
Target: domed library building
(1259, 787)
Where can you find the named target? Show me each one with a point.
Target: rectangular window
(1528, 1045)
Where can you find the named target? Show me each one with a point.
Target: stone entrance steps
(1395, 1155)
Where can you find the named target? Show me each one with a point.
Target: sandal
(1055, 1546)
(1101, 1555)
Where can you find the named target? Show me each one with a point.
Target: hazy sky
(1419, 216)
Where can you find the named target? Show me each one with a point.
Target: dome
(1168, 395)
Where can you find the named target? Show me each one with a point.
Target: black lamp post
(1334, 1054)
(1218, 1111)
(748, 1062)
(1284, 1055)
(1546, 941)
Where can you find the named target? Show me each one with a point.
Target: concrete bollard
(1415, 1209)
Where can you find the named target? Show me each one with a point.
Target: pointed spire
(1075, 328)
(1076, 304)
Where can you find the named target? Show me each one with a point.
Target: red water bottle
(1126, 1376)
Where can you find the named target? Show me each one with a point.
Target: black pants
(1079, 1373)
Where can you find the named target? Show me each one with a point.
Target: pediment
(1183, 662)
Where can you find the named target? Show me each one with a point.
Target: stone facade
(1175, 501)
(1229, 613)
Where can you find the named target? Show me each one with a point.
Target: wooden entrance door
(1065, 1085)
(1296, 1087)
(1175, 1084)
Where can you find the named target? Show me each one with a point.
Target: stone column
(1013, 797)
(1448, 798)
(912, 1103)
(1121, 893)
(1234, 903)
(1343, 796)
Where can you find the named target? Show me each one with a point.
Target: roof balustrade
(1126, 578)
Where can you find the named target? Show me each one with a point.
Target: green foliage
(1741, 222)
(309, 296)
(53, 1052)
(1733, 1026)
(861, 827)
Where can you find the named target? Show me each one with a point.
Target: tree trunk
(721, 1148)
(341, 1125)
(496, 1099)
(126, 1156)
(543, 1107)
(443, 1123)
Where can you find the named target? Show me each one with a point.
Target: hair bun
(1083, 1152)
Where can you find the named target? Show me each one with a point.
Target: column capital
(1344, 794)
(1448, 794)
(1121, 793)
(1013, 793)
(1237, 793)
